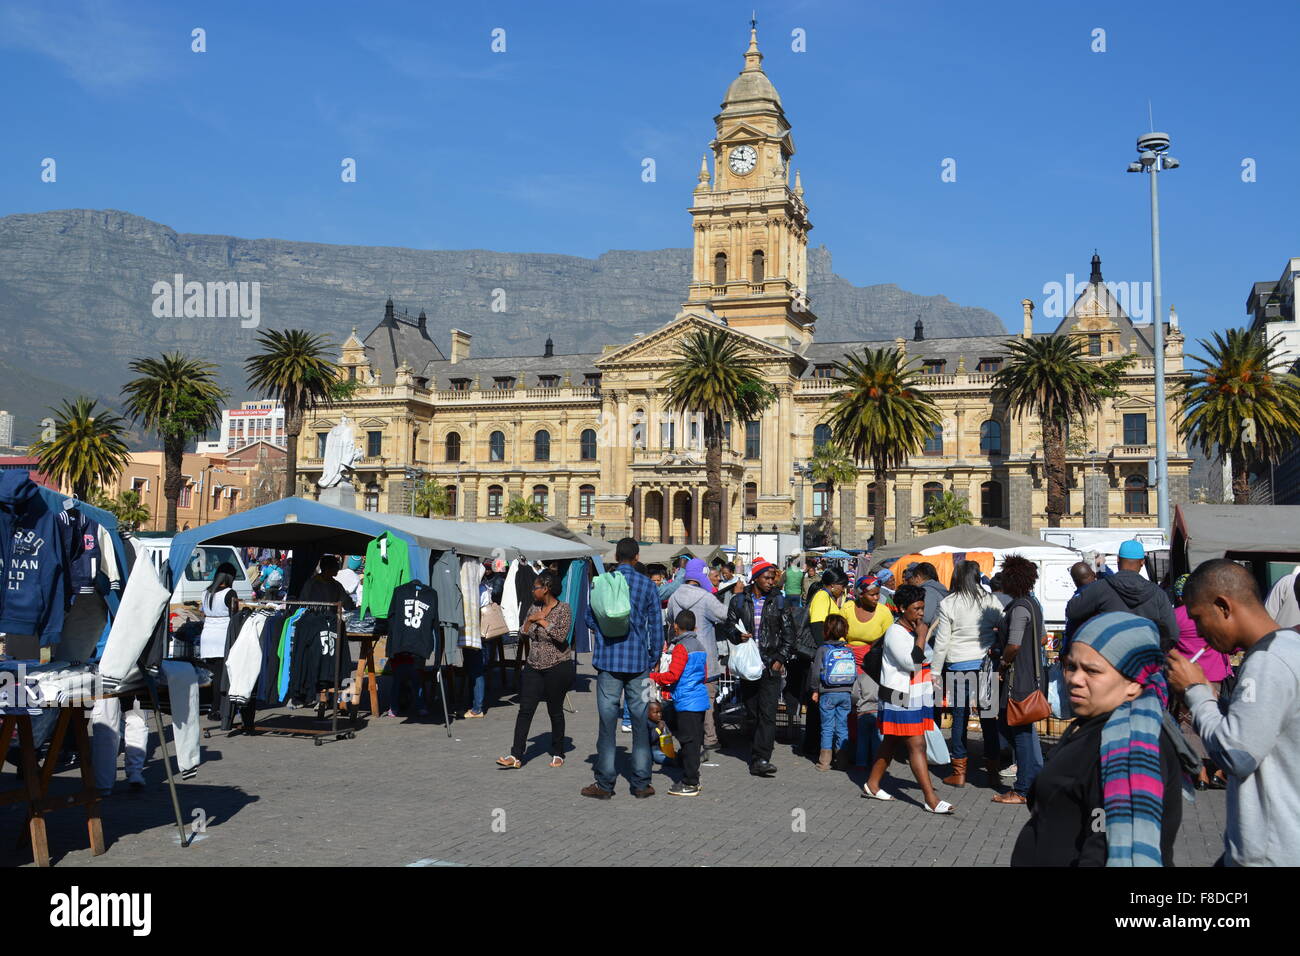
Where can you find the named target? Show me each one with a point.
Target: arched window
(756, 266)
(720, 269)
(821, 499)
(497, 446)
(934, 444)
(451, 500)
(991, 438)
(871, 500)
(821, 435)
(587, 501)
(542, 446)
(751, 499)
(453, 446)
(494, 501)
(587, 444)
(1135, 495)
(991, 499)
(540, 497)
(638, 428)
(929, 492)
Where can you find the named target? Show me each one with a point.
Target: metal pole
(1162, 447)
(800, 511)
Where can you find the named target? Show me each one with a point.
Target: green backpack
(611, 604)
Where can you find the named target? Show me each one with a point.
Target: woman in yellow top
(868, 618)
(827, 600)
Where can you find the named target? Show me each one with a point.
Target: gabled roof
(1097, 309)
(396, 339)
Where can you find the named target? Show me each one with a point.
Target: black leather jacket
(776, 640)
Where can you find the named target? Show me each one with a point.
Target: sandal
(878, 795)
(509, 763)
(943, 806)
(557, 761)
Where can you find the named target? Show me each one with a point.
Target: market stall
(1257, 534)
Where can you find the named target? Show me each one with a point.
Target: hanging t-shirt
(413, 614)
(387, 565)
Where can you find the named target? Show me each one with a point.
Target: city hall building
(587, 437)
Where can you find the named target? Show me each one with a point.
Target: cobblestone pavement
(403, 793)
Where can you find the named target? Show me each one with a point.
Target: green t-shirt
(793, 581)
(387, 566)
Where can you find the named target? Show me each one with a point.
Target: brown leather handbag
(492, 622)
(1033, 708)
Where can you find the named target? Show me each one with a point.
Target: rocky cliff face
(77, 300)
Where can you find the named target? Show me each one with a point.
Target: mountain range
(80, 297)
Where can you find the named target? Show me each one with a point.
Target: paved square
(403, 793)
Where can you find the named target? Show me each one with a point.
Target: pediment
(741, 132)
(372, 423)
(1132, 403)
(660, 346)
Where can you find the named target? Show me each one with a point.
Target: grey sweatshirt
(1256, 740)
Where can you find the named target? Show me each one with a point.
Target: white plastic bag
(746, 663)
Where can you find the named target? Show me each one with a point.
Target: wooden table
(35, 785)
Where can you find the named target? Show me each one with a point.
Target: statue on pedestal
(341, 453)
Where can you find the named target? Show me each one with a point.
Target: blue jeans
(834, 708)
(1029, 754)
(869, 739)
(611, 687)
(962, 691)
(474, 665)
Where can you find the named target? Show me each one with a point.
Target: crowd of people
(870, 664)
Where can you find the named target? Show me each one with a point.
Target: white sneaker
(625, 727)
(1009, 772)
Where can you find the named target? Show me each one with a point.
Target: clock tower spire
(751, 229)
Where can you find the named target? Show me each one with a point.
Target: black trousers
(760, 698)
(690, 734)
(535, 686)
(796, 693)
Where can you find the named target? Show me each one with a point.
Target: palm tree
(832, 465)
(881, 416)
(1242, 403)
(948, 510)
(431, 499)
(179, 398)
(714, 376)
(294, 369)
(131, 512)
(1048, 376)
(519, 511)
(87, 450)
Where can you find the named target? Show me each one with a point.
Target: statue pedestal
(342, 495)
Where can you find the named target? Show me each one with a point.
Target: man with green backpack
(625, 618)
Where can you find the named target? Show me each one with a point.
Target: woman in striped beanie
(1109, 793)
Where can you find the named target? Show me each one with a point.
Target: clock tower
(751, 227)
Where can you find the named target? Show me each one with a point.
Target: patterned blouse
(548, 641)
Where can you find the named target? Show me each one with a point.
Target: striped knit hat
(1132, 785)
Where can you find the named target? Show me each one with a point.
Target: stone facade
(589, 438)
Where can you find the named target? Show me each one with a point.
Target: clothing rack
(318, 736)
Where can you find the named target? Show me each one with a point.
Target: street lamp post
(1153, 157)
(801, 471)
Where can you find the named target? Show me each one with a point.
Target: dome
(752, 89)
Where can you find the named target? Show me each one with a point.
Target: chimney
(424, 324)
(459, 345)
(388, 313)
(919, 330)
(1095, 277)
(550, 348)
(1028, 306)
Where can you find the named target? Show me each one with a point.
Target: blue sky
(540, 148)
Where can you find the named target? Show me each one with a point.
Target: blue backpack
(839, 669)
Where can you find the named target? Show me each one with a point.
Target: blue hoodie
(34, 554)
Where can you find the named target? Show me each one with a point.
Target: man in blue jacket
(622, 672)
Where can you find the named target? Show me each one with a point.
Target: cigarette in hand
(1197, 656)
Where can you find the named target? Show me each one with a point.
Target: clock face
(743, 159)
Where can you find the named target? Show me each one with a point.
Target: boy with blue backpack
(834, 671)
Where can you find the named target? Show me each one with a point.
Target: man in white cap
(1126, 590)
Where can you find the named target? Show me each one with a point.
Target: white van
(199, 570)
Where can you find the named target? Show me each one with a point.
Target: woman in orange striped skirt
(906, 699)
